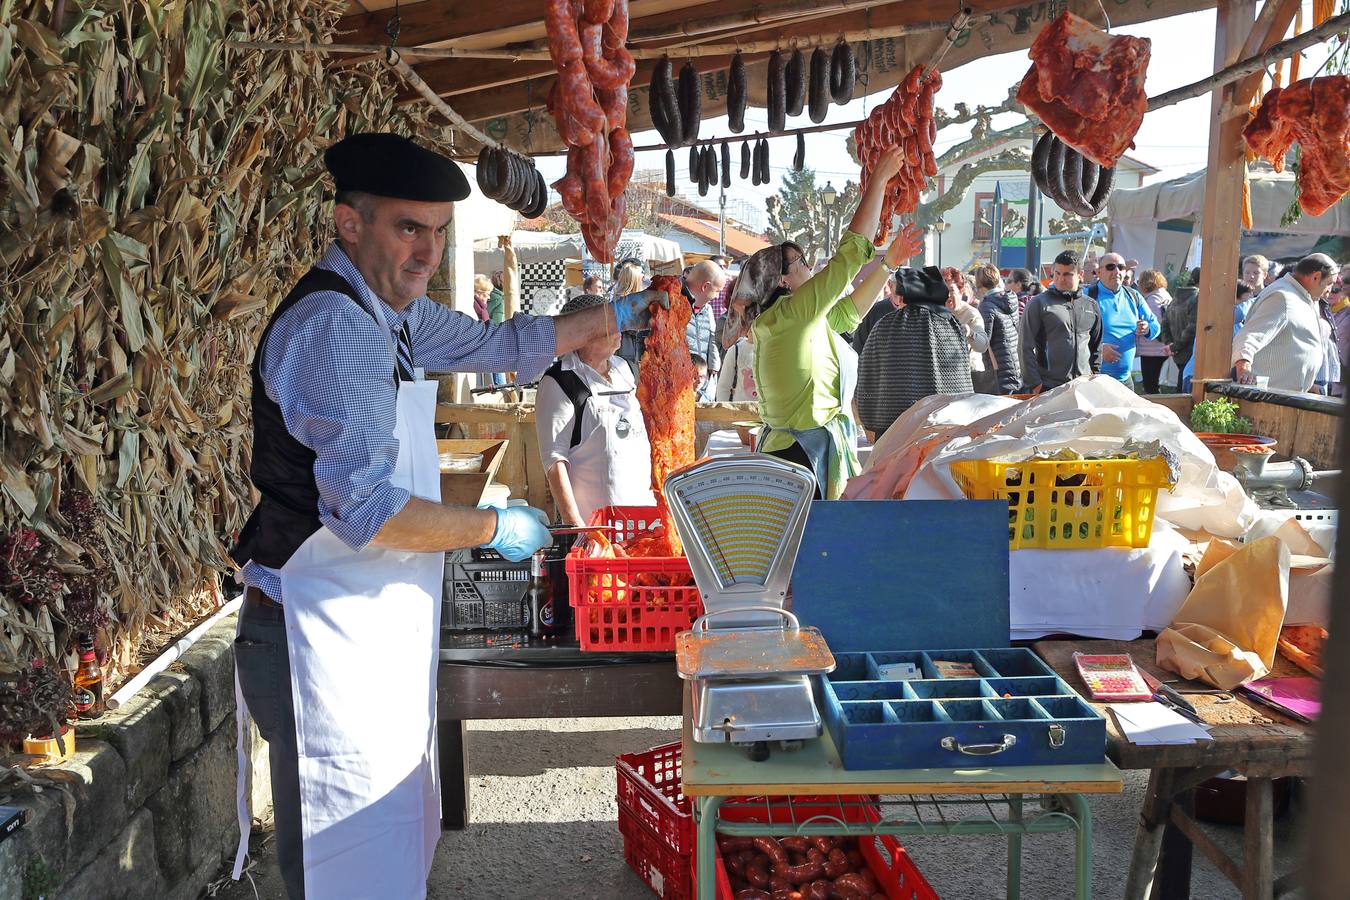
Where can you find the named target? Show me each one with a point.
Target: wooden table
(1251, 739)
(713, 772)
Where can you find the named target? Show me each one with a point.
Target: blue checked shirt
(327, 366)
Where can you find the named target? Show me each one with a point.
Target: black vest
(283, 468)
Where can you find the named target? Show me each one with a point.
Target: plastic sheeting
(1108, 593)
(1087, 414)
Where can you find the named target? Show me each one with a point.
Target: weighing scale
(748, 660)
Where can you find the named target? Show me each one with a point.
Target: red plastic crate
(658, 828)
(649, 793)
(636, 617)
(665, 871)
(897, 875)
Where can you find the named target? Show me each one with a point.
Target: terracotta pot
(50, 748)
(1220, 444)
(748, 432)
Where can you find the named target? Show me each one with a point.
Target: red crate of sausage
(629, 603)
(892, 871)
(658, 828)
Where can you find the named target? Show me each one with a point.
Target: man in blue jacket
(1126, 317)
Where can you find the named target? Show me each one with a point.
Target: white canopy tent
(542, 247)
(1156, 224)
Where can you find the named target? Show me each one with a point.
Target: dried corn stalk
(159, 193)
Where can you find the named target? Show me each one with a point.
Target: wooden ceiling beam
(459, 23)
(451, 77)
(514, 98)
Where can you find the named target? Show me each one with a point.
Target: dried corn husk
(159, 193)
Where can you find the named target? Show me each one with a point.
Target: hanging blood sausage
(795, 77)
(777, 93)
(726, 166)
(664, 104)
(745, 159)
(799, 160)
(670, 173)
(695, 165)
(843, 73)
(690, 103)
(818, 91)
(736, 88)
(486, 174)
(1106, 179)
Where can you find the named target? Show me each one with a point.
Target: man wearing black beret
(344, 553)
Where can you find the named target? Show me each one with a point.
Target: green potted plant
(1219, 427)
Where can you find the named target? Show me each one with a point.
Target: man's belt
(253, 595)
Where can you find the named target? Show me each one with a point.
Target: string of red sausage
(906, 119)
(589, 103)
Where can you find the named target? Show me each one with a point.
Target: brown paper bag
(1225, 632)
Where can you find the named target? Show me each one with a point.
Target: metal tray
(752, 653)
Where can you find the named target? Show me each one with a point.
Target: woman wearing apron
(804, 369)
(591, 434)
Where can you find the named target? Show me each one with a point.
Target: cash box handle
(951, 743)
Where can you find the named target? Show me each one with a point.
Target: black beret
(390, 165)
(921, 285)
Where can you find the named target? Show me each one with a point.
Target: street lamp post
(940, 226)
(828, 198)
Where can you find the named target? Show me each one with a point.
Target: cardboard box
(467, 488)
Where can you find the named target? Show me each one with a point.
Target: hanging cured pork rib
(1315, 112)
(1087, 87)
(666, 381)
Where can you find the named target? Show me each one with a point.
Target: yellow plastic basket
(1070, 505)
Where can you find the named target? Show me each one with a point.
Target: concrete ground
(543, 814)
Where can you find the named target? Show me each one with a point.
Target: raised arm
(908, 243)
(868, 215)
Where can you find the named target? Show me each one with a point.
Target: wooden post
(1221, 227)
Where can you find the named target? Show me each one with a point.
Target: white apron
(612, 464)
(363, 635)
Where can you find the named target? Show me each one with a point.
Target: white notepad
(1154, 723)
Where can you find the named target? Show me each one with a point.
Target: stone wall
(148, 803)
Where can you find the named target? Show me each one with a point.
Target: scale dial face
(741, 522)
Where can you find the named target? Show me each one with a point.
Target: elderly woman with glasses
(804, 369)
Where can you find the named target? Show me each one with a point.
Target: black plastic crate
(484, 592)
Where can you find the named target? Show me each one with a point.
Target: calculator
(1111, 676)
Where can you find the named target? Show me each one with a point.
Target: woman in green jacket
(804, 368)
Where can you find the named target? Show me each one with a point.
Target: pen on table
(1178, 708)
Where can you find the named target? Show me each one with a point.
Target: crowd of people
(857, 339)
(346, 464)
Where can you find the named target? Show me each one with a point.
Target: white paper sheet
(1154, 723)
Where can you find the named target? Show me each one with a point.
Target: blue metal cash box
(884, 581)
(1016, 713)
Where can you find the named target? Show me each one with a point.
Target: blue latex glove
(521, 530)
(633, 312)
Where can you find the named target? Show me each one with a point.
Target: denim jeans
(260, 658)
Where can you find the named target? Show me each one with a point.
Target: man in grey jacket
(1061, 331)
(702, 283)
